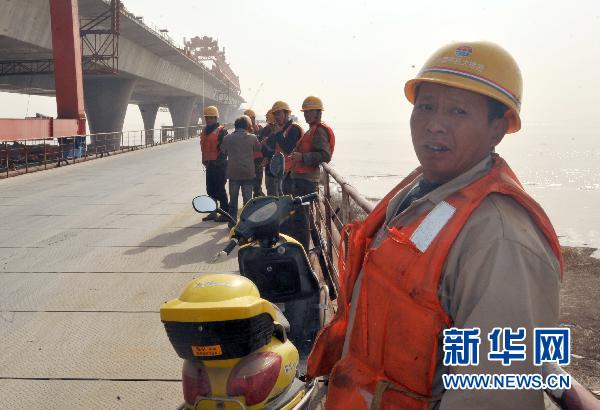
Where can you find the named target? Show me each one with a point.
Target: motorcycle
(245, 338)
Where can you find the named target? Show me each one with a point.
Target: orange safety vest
(255, 130)
(392, 347)
(288, 157)
(306, 143)
(209, 144)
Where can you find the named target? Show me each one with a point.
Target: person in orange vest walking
(258, 157)
(458, 244)
(314, 148)
(214, 160)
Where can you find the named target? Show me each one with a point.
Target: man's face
(281, 117)
(210, 120)
(311, 116)
(451, 132)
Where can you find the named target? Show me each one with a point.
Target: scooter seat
(280, 317)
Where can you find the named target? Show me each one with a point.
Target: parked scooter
(245, 338)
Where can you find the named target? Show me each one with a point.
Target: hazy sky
(357, 55)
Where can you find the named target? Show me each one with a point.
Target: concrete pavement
(87, 255)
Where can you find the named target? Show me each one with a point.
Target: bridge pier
(106, 101)
(196, 113)
(149, 111)
(181, 109)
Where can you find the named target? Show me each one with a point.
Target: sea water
(558, 164)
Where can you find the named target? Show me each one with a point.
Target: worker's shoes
(210, 217)
(221, 218)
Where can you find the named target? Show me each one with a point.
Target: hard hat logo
(463, 51)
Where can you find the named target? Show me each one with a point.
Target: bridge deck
(87, 255)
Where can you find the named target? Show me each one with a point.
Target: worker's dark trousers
(215, 183)
(288, 184)
(299, 225)
(258, 169)
(270, 183)
(277, 187)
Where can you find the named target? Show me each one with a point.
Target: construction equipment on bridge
(99, 45)
(100, 41)
(68, 79)
(207, 49)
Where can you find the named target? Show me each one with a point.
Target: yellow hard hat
(270, 117)
(211, 111)
(250, 113)
(481, 67)
(280, 105)
(312, 103)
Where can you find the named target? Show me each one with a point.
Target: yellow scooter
(245, 338)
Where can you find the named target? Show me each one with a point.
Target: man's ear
(498, 130)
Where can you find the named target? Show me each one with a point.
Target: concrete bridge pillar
(149, 111)
(196, 113)
(106, 101)
(181, 112)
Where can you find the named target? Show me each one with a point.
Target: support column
(149, 111)
(106, 101)
(181, 112)
(196, 113)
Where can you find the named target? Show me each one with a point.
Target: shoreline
(580, 311)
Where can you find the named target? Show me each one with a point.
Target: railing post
(328, 217)
(26, 159)
(44, 141)
(7, 156)
(345, 206)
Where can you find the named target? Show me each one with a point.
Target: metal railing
(336, 208)
(23, 156)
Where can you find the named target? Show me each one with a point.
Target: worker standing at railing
(215, 161)
(314, 148)
(258, 157)
(268, 148)
(457, 244)
(287, 133)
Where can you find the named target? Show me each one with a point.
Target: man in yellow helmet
(286, 134)
(258, 157)
(313, 149)
(458, 251)
(214, 160)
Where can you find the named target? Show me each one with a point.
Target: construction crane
(256, 94)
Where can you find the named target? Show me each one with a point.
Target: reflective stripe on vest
(209, 144)
(396, 299)
(305, 145)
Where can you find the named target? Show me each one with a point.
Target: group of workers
(457, 244)
(243, 157)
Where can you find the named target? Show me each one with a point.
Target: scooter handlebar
(230, 246)
(302, 200)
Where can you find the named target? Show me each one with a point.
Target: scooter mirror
(204, 204)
